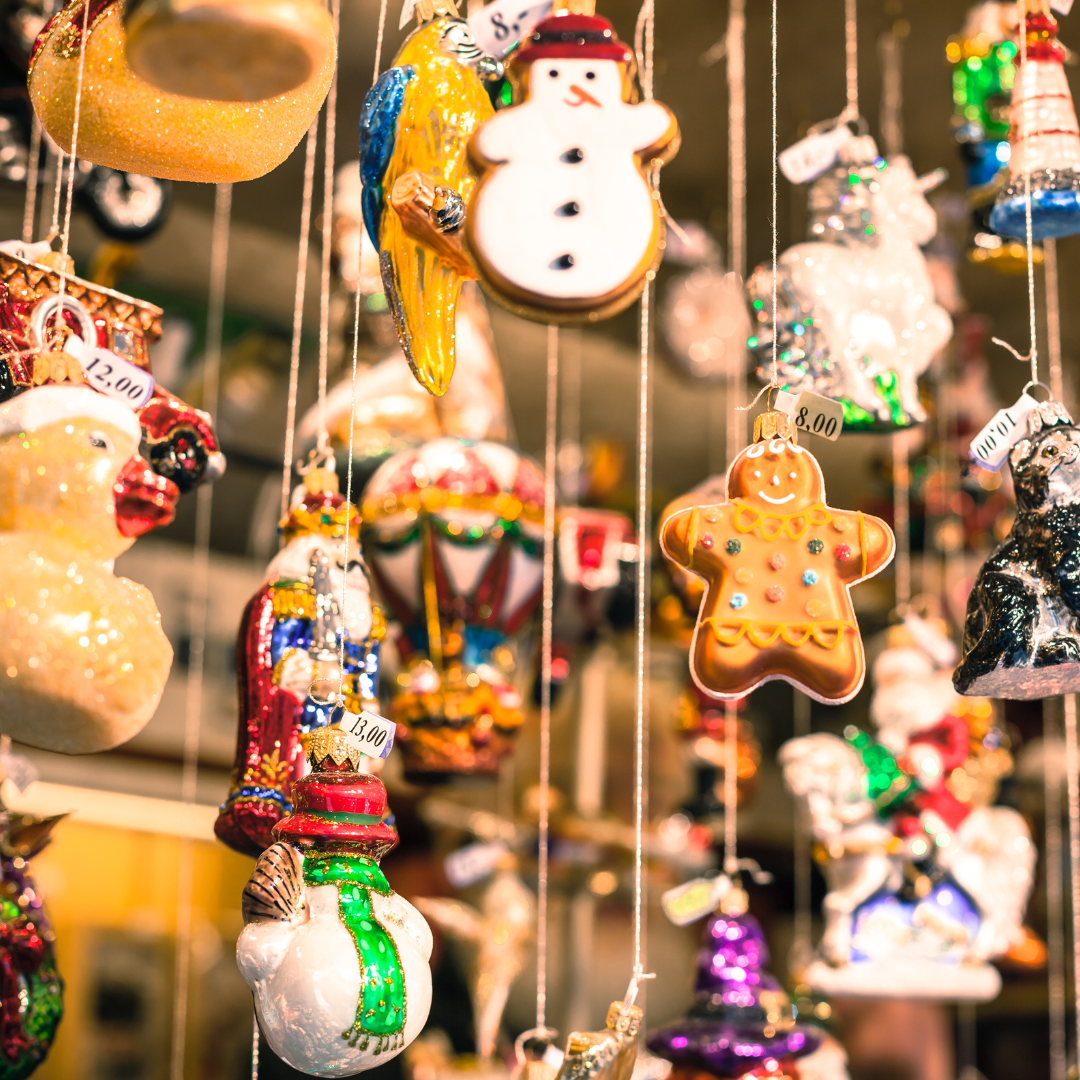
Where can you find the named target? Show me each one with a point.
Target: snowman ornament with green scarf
(337, 962)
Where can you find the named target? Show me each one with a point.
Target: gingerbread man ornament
(778, 564)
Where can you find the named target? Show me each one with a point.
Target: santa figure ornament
(1044, 135)
(778, 564)
(565, 225)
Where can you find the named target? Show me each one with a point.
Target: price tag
(1062, 7)
(695, 899)
(473, 862)
(112, 374)
(502, 24)
(819, 415)
(373, 733)
(991, 446)
(810, 157)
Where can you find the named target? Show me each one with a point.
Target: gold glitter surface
(83, 659)
(127, 124)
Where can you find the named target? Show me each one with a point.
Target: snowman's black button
(573, 157)
(563, 262)
(569, 209)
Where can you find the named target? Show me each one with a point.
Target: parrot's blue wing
(378, 127)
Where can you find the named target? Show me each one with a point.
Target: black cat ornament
(1022, 631)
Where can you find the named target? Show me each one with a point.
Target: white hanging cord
(735, 50)
(1055, 908)
(851, 56)
(891, 48)
(1072, 762)
(298, 313)
(1053, 317)
(731, 788)
(197, 627)
(773, 375)
(379, 41)
(32, 170)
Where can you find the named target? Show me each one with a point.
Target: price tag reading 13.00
(373, 732)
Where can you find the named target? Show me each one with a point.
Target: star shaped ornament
(778, 565)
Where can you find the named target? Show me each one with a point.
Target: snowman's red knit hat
(574, 37)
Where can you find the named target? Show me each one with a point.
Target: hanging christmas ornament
(288, 659)
(229, 50)
(778, 566)
(742, 1024)
(1044, 136)
(575, 151)
(414, 130)
(453, 535)
(1022, 631)
(706, 324)
(856, 318)
(604, 1055)
(336, 960)
(131, 125)
(83, 650)
(497, 938)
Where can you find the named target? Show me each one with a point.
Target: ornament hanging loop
(1030, 385)
(632, 990)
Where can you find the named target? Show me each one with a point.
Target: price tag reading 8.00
(111, 374)
(499, 26)
(373, 733)
(819, 415)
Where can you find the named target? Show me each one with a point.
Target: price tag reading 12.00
(111, 374)
(819, 415)
(373, 732)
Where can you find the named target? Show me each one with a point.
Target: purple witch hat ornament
(743, 1017)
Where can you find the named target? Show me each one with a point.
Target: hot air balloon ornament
(453, 535)
(1044, 136)
(417, 179)
(336, 960)
(289, 653)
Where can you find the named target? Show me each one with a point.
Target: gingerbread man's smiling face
(775, 477)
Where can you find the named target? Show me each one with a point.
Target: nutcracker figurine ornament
(453, 533)
(576, 151)
(778, 565)
(288, 658)
(336, 960)
(1044, 136)
(415, 126)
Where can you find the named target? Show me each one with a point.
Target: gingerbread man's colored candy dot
(814, 608)
(776, 562)
(733, 547)
(842, 552)
(809, 577)
(712, 516)
(706, 541)
(743, 575)
(774, 594)
(815, 547)
(738, 600)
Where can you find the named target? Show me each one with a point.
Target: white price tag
(810, 157)
(111, 374)
(502, 24)
(991, 446)
(473, 862)
(1062, 7)
(373, 733)
(819, 415)
(695, 899)
(785, 402)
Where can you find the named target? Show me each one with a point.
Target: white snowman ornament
(564, 225)
(337, 962)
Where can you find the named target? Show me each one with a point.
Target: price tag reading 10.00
(373, 732)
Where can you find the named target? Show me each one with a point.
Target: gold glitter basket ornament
(128, 124)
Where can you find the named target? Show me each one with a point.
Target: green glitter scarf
(380, 1011)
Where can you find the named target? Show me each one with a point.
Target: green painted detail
(44, 1009)
(857, 418)
(887, 785)
(380, 1012)
(344, 815)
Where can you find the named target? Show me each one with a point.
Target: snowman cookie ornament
(565, 225)
(337, 962)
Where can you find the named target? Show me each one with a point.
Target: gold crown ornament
(129, 124)
(321, 509)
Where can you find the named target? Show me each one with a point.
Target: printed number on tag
(111, 374)
(991, 446)
(810, 157)
(473, 862)
(502, 24)
(373, 732)
(694, 900)
(819, 415)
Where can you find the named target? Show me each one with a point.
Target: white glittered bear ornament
(564, 226)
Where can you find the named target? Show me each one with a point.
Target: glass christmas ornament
(778, 565)
(705, 323)
(288, 659)
(336, 960)
(453, 533)
(604, 1055)
(130, 125)
(564, 226)
(229, 50)
(1044, 136)
(82, 652)
(742, 1018)
(1022, 631)
(856, 316)
(414, 130)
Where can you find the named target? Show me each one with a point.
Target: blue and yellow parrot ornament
(415, 127)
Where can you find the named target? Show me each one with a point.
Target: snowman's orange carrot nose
(583, 97)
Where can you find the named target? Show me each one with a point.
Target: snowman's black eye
(572, 157)
(553, 73)
(563, 262)
(590, 74)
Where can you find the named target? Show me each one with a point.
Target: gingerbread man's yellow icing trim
(763, 634)
(783, 521)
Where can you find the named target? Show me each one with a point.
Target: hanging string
(197, 626)
(804, 920)
(901, 519)
(851, 51)
(1053, 317)
(736, 79)
(298, 313)
(731, 788)
(773, 375)
(32, 162)
(379, 41)
(1055, 908)
(1072, 763)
